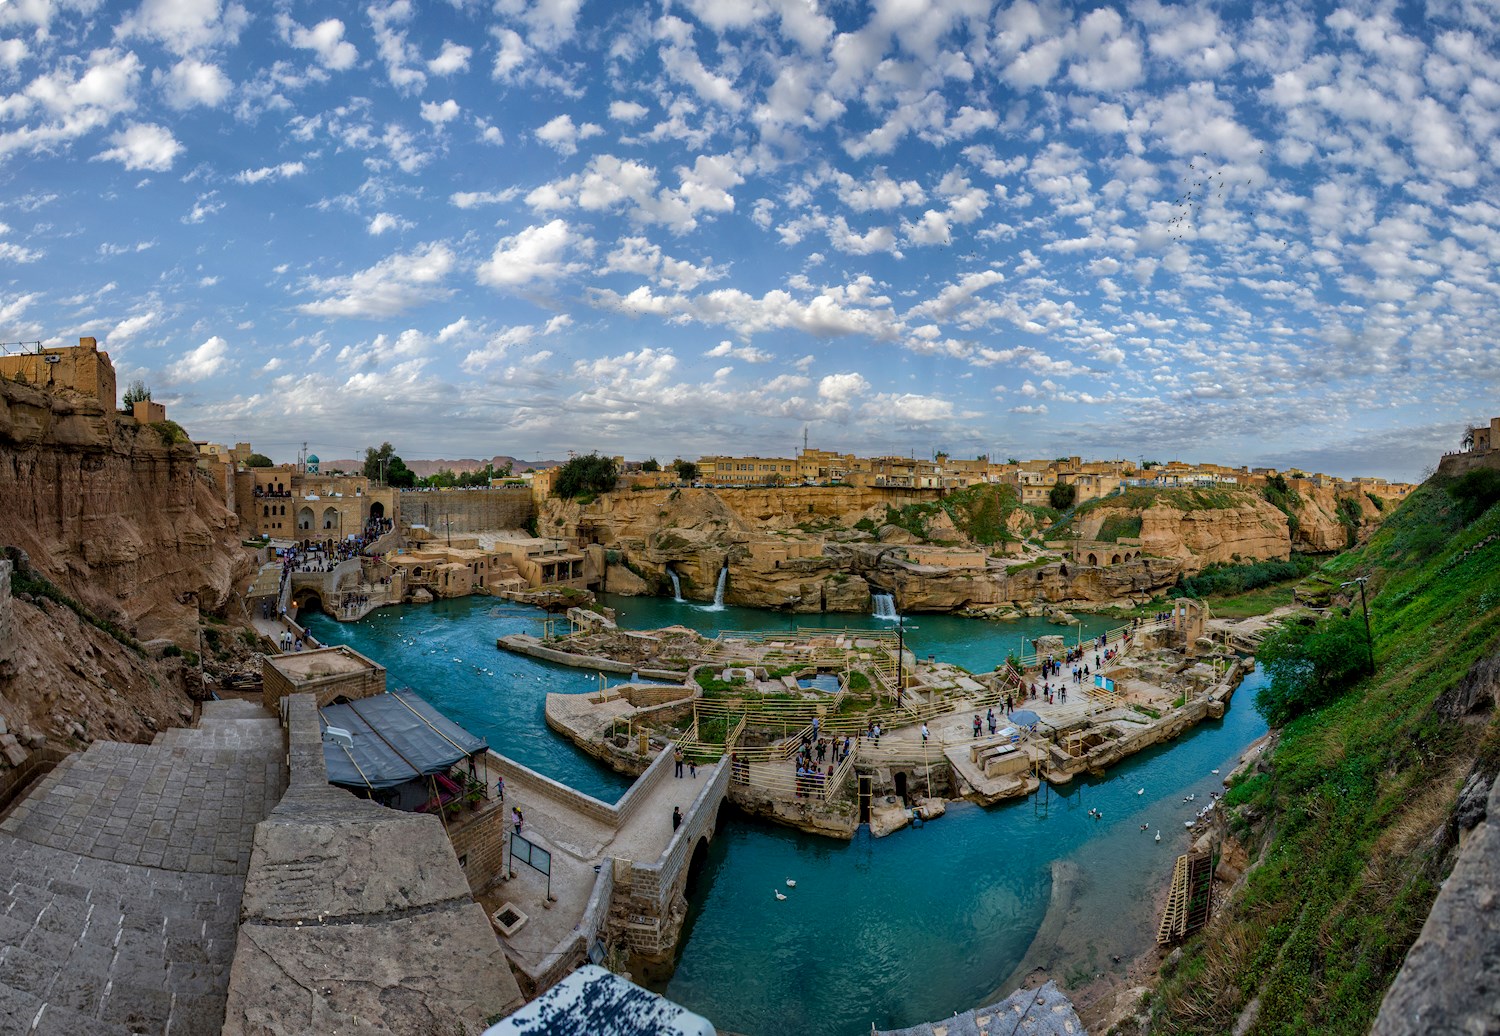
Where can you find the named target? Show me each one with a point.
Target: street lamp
(1365, 608)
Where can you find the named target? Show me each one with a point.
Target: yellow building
(82, 369)
(285, 502)
(747, 471)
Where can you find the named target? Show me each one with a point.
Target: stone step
(234, 708)
(103, 944)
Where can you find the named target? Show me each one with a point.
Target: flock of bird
(1189, 798)
(1200, 185)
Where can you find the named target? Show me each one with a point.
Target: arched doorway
(305, 519)
(331, 519)
(377, 510)
(1115, 560)
(695, 865)
(1093, 559)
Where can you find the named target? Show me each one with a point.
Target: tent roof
(397, 737)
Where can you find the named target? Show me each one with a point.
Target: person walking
(517, 818)
(924, 733)
(500, 788)
(676, 817)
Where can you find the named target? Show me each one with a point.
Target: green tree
(398, 475)
(1062, 496)
(589, 474)
(1309, 665)
(687, 471)
(650, 464)
(443, 478)
(136, 392)
(376, 460)
(1475, 492)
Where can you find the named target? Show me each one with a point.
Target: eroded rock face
(114, 516)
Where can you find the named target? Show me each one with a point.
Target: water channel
(895, 931)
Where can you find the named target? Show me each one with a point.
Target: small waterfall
(885, 606)
(718, 604)
(676, 585)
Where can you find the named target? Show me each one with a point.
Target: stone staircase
(121, 877)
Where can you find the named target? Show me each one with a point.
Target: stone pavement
(121, 876)
(1026, 1012)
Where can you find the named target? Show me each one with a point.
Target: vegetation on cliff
(981, 512)
(1353, 811)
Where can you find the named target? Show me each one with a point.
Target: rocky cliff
(112, 517)
(812, 549)
(113, 514)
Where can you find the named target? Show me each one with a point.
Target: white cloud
(203, 362)
(562, 136)
(192, 82)
(452, 59)
(284, 171)
(384, 221)
(130, 327)
(439, 114)
(469, 199)
(747, 353)
(143, 145)
(326, 39)
(185, 26)
(535, 254)
(392, 286)
(626, 111)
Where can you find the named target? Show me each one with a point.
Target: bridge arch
(1093, 559)
(1115, 560)
(306, 597)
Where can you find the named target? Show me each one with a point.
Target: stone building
(83, 369)
(325, 673)
(286, 502)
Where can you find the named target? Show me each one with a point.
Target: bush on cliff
(1309, 664)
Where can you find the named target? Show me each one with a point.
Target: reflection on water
(909, 928)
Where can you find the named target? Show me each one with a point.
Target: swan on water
(1188, 823)
(1214, 771)
(1145, 827)
(779, 894)
(1190, 798)
(1158, 835)
(1141, 792)
(790, 883)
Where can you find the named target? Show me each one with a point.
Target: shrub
(1062, 496)
(1227, 580)
(588, 475)
(1309, 665)
(1475, 492)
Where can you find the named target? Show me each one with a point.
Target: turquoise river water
(908, 928)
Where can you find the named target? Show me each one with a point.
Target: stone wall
(364, 684)
(470, 510)
(479, 840)
(7, 620)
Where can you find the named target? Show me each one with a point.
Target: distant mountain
(423, 468)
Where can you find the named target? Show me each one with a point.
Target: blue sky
(1260, 233)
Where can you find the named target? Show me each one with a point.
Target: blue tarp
(397, 737)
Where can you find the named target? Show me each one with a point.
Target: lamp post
(1365, 608)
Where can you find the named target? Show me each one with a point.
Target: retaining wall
(470, 510)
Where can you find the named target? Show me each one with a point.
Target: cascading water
(718, 604)
(676, 585)
(885, 606)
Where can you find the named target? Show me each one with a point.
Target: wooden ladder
(1175, 914)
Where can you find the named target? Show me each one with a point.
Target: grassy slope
(1354, 810)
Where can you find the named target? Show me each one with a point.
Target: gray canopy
(397, 737)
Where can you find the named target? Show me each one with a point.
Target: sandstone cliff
(824, 549)
(118, 520)
(112, 514)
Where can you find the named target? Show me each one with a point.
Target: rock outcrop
(114, 515)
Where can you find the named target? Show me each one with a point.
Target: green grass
(1354, 794)
(1252, 603)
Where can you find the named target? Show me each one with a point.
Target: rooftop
(305, 666)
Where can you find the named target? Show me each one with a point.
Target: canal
(894, 931)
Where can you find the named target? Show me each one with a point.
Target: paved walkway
(121, 877)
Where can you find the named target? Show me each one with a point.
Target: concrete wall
(470, 510)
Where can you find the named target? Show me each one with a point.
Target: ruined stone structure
(287, 503)
(82, 369)
(322, 673)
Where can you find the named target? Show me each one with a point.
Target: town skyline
(954, 224)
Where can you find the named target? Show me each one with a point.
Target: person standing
(676, 817)
(517, 818)
(924, 733)
(677, 758)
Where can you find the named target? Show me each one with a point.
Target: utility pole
(1365, 608)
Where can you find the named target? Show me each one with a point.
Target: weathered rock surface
(113, 515)
(1450, 981)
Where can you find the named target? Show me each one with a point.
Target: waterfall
(885, 606)
(676, 585)
(718, 604)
